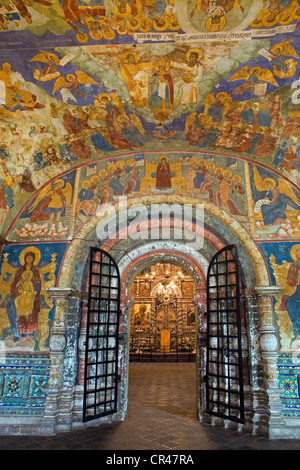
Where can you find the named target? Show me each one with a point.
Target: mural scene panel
(26, 308)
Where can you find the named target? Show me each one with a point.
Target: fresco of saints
(24, 298)
(187, 87)
(161, 86)
(163, 174)
(135, 75)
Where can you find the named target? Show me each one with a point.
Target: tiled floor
(161, 417)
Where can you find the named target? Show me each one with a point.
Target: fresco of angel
(50, 203)
(282, 66)
(53, 62)
(278, 196)
(253, 78)
(24, 298)
(74, 85)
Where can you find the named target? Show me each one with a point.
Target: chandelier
(168, 279)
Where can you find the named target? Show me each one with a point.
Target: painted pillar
(256, 400)
(63, 355)
(79, 387)
(200, 303)
(268, 342)
(124, 352)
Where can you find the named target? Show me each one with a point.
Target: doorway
(160, 324)
(162, 317)
(162, 340)
(130, 260)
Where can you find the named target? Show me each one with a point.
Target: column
(200, 303)
(79, 387)
(256, 399)
(124, 357)
(268, 342)
(58, 404)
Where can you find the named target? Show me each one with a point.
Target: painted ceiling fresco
(80, 80)
(96, 96)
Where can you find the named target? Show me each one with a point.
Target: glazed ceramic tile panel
(23, 383)
(288, 381)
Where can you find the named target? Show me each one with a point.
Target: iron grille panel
(224, 367)
(101, 356)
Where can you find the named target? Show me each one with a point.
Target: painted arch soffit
(66, 103)
(226, 227)
(241, 189)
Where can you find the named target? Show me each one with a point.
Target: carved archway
(70, 284)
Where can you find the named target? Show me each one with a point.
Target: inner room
(162, 319)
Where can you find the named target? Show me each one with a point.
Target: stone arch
(70, 301)
(87, 235)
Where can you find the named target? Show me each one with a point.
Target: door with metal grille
(224, 367)
(101, 359)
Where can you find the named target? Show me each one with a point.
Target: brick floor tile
(161, 416)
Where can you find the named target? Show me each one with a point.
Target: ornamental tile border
(24, 379)
(289, 383)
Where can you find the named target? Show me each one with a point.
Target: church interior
(149, 210)
(163, 313)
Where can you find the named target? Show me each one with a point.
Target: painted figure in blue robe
(161, 86)
(39, 162)
(274, 212)
(263, 118)
(210, 137)
(66, 153)
(280, 151)
(216, 111)
(199, 178)
(85, 194)
(157, 9)
(101, 143)
(247, 114)
(115, 185)
(256, 138)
